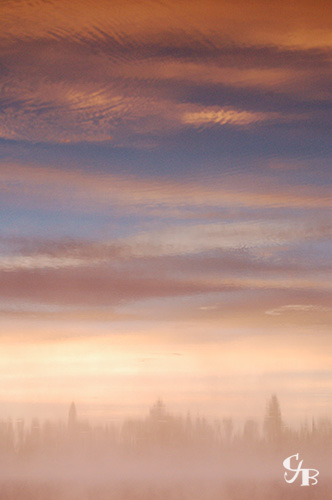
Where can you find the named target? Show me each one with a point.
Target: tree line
(160, 429)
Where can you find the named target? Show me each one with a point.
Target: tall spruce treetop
(273, 424)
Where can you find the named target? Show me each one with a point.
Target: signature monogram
(307, 475)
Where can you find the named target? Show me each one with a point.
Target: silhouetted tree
(72, 418)
(273, 425)
(228, 426)
(250, 431)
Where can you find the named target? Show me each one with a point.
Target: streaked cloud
(303, 25)
(37, 184)
(63, 112)
(222, 260)
(225, 116)
(112, 75)
(214, 72)
(204, 237)
(302, 308)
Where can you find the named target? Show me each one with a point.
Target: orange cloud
(223, 116)
(280, 79)
(87, 83)
(85, 190)
(66, 111)
(298, 24)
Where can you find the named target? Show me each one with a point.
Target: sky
(165, 207)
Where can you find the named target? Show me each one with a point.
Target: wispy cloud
(114, 273)
(303, 25)
(67, 112)
(302, 308)
(36, 184)
(224, 116)
(111, 74)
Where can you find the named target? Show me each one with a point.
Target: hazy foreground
(161, 456)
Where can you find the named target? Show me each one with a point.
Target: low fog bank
(161, 466)
(161, 456)
(194, 490)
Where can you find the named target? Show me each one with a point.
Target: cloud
(85, 190)
(100, 285)
(101, 274)
(68, 112)
(100, 78)
(270, 246)
(195, 279)
(220, 116)
(181, 240)
(298, 308)
(242, 74)
(136, 294)
(297, 25)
